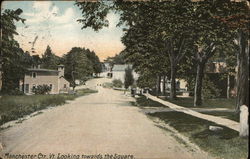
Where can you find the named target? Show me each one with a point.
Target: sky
(54, 24)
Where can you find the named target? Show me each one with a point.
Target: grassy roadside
(211, 103)
(188, 103)
(143, 102)
(14, 107)
(207, 103)
(223, 144)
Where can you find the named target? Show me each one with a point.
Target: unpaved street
(98, 123)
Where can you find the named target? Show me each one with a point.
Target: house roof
(42, 70)
(121, 67)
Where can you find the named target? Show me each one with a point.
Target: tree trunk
(228, 86)
(158, 85)
(198, 84)
(173, 82)
(73, 80)
(243, 72)
(164, 85)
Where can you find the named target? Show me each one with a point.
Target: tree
(238, 21)
(49, 59)
(173, 21)
(144, 47)
(96, 64)
(77, 66)
(128, 78)
(232, 18)
(117, 59)
(13, 60)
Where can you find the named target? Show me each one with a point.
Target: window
(50, 86)
(65, 85)
(33, 75)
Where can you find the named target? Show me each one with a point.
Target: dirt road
(99, 123)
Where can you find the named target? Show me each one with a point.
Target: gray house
(38, 76)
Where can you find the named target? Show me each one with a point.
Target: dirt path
(99, 123)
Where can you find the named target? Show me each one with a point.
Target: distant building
(118, 72)
(106, 67)
(38, 76)
(216, 67)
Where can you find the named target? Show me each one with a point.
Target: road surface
(99, 123)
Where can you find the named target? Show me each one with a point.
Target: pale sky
(54, 23)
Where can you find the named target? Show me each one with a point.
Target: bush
(117, 83)
(41, 89)
(209, 88)
(15, 92)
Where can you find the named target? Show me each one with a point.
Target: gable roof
(121, 67)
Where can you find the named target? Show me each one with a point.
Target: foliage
(77, 65)
(96, 64)
(49, 59)
(117, 59)
(80, 64)
(16, 92)
(41, 89)
(146, 80)
(13, 59)
(117, 83)
(129, 79)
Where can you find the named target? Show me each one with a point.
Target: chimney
(60, 68)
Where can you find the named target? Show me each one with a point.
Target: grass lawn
(141, 101)
(107, 85)
(207, 103)
(14, 107)
(223, 144)
(229, 115)
(211, 103)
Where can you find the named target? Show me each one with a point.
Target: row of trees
(178, 38)
(79, 62)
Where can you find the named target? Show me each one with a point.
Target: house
(118, 72)
(106, 67)
(181, 85)
(216, 67)
(38, 76)
(106, 70)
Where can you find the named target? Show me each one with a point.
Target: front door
(26, 90)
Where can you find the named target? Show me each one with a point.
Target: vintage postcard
(124, 79)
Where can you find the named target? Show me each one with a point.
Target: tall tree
(128, 78)
(49, 59)
(96, 64)
(232, 18)
(11, 56)
(77, 65)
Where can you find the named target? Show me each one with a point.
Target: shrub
(209, 88)
(41, 89)
(15, 92)
(117, 83)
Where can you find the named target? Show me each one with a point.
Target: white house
(118, 72)
(38, 76)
